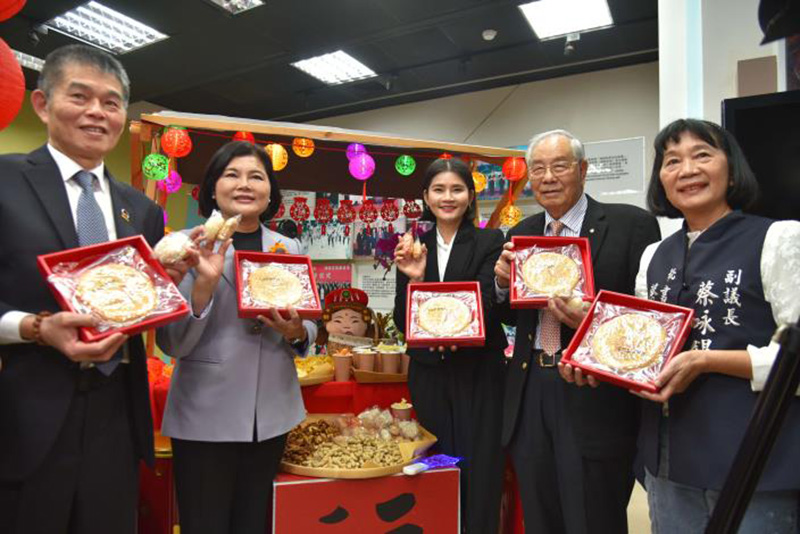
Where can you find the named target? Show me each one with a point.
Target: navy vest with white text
(720, 279)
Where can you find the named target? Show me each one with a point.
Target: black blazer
(605, 419)
(474, 253)
(37, 383)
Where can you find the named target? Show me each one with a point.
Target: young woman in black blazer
(458, 394)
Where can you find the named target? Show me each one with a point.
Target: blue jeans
(679, 509)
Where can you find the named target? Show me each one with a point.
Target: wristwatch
(297, 342)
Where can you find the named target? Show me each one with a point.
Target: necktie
(551, 326)
(91, 226)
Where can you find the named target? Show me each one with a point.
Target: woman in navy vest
(739, 273)
(458, 395)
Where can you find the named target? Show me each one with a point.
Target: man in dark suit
(572, 448)
(74, 416)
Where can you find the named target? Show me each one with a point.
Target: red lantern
(514, 169)
(244, 136)
(9, 8)
(175, 142)
(411, 209)
(299, 212)
(346, 214)
(445, 155)
(390, 212)
(323, 213)
(281, 211)
(368, 214)
(12, 85)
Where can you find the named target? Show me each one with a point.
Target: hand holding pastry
(409, 263)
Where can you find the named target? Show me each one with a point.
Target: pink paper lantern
(172, 183)
(166, 217)
(362, 167)
(355, 149)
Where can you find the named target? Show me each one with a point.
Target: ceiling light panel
(335, 68)
(237, 6)
(556, 18)
(98, 25)
(28, 61)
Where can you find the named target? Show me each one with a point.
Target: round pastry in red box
(116, 292)
(628, 342)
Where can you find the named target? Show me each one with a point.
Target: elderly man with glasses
(572, 448)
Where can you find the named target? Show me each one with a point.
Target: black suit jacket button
(530, 337)
(524, 365)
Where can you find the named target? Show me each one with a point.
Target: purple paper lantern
(172, 183)
(362, 166)
(355, 149)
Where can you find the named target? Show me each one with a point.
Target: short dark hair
(462, 170)
(220, 160)
(742, 185)
(54, 63)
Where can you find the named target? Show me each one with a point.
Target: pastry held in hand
(229, 228)
(117, 293)
(275, 286)
(411, 247)
(213, 225)
(551, 274)
(444, 316)
(173, 248)
(628, 342)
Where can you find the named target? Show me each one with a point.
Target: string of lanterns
(176, 143)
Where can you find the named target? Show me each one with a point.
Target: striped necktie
(550, 334)
(91, 226)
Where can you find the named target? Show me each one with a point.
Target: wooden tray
(410, 451)
(374, 377)
(313, 380)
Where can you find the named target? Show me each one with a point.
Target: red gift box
(251, 312)
(628, 301)
(524, 242)
(84, 256)
(428, 502)
(412, 340)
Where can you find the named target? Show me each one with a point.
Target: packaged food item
(228, 228)
(549, 272)
(119, 287)
(627, 341)
(213, 225)
(439, 316)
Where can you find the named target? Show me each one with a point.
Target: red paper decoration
(323, 213)
(411, 209)
(9, 8)
(368, 214)
(299, 212)
(346, 214)
(196, 192)
(514, 169)
(244, 136)
(390, 212)
(12, 85)
(445, 155)
(281, 211)
(175, 142)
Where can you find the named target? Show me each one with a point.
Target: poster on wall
(332, 276)
(615, 167)
(378, 283)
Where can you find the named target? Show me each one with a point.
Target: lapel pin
(591, 230)
(125, 215)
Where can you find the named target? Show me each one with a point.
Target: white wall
(596, 106)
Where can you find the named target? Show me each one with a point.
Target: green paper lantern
(405, 165)
(155, 167)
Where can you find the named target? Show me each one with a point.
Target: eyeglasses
(558, 169)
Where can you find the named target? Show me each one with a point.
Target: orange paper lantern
(278, 155)
(303, 147)
(175, 142)
(244, 136)
(9, 8)
(514, 169)
(12, 86)
(479, 179)
(510, 215)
